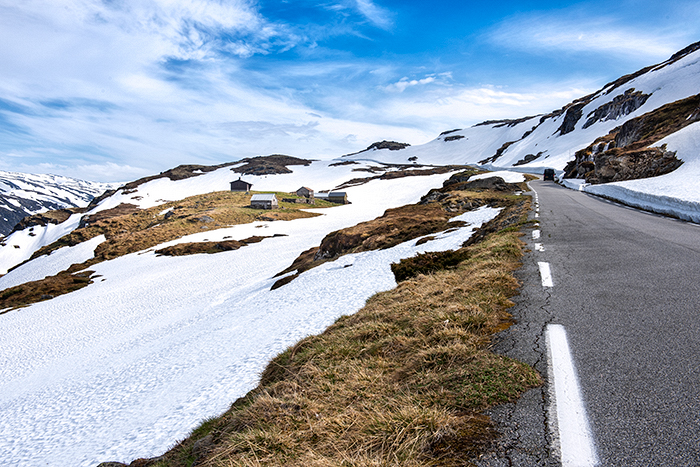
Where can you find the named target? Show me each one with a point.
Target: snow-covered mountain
(23, 194)
(156, 343)
(641, 125)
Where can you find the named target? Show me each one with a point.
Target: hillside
(642, 125)
(163, 301)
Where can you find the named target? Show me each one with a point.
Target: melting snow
(122, 368)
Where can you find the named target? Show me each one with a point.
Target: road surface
(625, 287)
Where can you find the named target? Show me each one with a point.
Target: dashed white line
(539, 247)
(546, 274)
(535, 234)
(568, 421)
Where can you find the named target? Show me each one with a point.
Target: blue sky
(112, 90)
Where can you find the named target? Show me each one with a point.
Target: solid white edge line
(569, 426)
(546, 274)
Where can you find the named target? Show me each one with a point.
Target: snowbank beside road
(676, 194)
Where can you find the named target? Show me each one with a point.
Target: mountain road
(624, 287)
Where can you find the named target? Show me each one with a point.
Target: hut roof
(263, 197)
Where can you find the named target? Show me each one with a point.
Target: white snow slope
(129, 364)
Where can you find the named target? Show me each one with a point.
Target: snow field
(20, 245)
(48, 265)
(126, 366)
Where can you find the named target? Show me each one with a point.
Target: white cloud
(463, 106)
(574, 31)
(405, 82)
(377, 15)
(571, 32)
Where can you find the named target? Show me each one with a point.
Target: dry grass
(132, 230)
(404, 381)
(396, 226)
(129, 229)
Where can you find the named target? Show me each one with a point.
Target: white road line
(535, 234)
(572, 432)
(539, 247)
(546, 274)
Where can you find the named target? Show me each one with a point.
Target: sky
(113, 90)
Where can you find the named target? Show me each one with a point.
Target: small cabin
(264, 201)
(241, 185)
(305, 192)
(338, 197)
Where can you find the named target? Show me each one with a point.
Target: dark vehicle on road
(549, 174)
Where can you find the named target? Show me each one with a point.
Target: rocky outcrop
(628, 152)
(529, 158)
(499, 153)
(269, 165)
(390, 145)
(453, 138)
(573, 115)
(51, 217)
(618, 165)
(620, 106)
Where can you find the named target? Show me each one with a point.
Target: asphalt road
(626, 289)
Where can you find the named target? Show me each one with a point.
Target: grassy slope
(404, 381)
(129, 229)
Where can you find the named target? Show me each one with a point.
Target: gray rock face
(615, 165)
(620, 106)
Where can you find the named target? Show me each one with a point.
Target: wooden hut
(339, 197)
(241, 185)
(305, 192)
(264, 201)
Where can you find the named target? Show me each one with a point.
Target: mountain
(153, 308)
(635, 140)
(23, 195)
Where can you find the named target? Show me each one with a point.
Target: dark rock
(528, 158)
(434, 196)
(573, 115)
(620, 106)
(454, 138)
(390, 145)
(491, 183)
(269, 165)
(499, 153)
(617, 165)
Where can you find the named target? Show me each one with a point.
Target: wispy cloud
(114, 89)
(376, 14)
(405, 82)
(571, 32)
